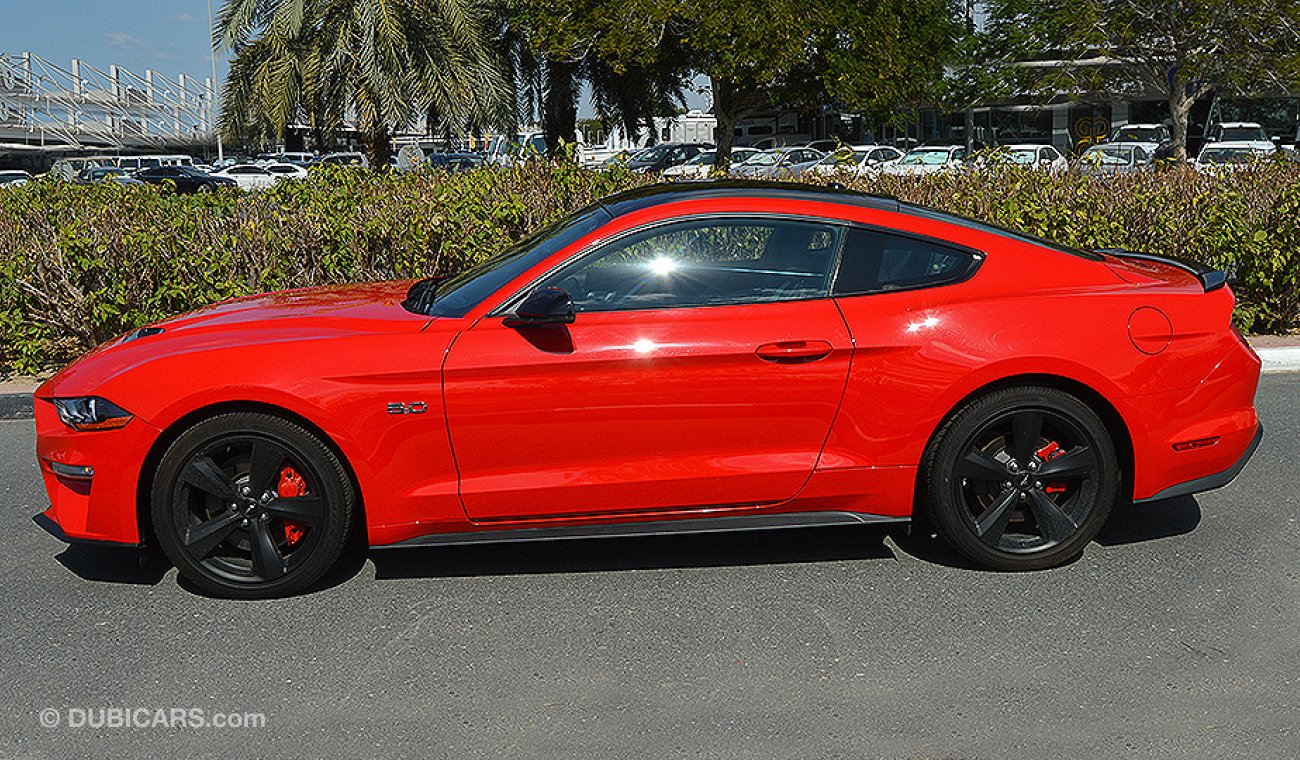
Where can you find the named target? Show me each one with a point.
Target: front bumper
(101, 507)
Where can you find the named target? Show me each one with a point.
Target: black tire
(1021, 479)
(226, 513)
(206, 188)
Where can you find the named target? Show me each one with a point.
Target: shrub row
(81, 264)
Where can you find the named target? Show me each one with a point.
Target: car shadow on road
(1135, 523)
(1128, 524)
(585, 555)
(111, 564)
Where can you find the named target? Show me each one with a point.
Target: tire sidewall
(947, 512)
(336, 488)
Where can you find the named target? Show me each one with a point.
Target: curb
(16, 406)
(1286, 359)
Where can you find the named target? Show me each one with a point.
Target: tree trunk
(1180, 108)
(560, 107)
(725, 110)
(378, 143)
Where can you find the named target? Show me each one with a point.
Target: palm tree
(379, 62)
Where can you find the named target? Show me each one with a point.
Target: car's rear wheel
(206, 188)
(1022, 478)
(251, 506)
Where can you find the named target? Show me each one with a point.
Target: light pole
(215, 111)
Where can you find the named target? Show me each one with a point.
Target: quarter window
(710, 262)
(877, 262)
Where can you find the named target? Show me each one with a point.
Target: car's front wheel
(250, 505)
(1022, 478)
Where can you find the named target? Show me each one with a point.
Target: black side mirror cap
(544, 306)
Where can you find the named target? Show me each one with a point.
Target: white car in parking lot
(857, 159)
(1230, 156)
(1041, 157)
(285, 170)
(928, 159)
(248, 176)
(1247, 133)
(703, 163)
(778, 163)
(14, 178)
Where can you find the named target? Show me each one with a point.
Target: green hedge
(81, 264)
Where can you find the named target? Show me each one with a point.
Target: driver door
(704, 368)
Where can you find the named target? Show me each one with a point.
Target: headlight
(91, 413)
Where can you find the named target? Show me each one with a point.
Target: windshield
(1021, 156)
(706, 158)
(456, 295)
(1137, 134)
(1225, 156)
(191, 171)
(650, 155)
(927, 157)
(763, 159)
(843, 157)
(1243, 134)
(1101, 154)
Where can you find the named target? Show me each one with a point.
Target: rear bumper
(1209, 482)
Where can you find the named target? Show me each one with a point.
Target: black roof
(669, 192)
(653, 195)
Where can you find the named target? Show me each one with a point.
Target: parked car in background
(1247, 132)
(776, 163)
(298, 158)
(345, 158)
(825, 146)
(856, 159)
(14, 177)
(1231, 156)
(93, 174)
(928, 159)
(659, 157)
(1154, 139)
(186, 179)
(702, 165)
(282, 170)
(1117, 158)
(460, 161)
(1035, 156)
(248, 176)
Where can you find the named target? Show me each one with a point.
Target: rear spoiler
(1210, 278)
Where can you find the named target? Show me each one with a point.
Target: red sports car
(675, 358)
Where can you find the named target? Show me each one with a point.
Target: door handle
(794, 351)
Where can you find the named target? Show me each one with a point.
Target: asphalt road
(1176, 635)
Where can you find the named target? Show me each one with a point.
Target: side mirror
(544, 306)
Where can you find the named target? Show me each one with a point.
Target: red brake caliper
(1046, 454)
(291, 485)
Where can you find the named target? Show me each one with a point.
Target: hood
(289, 316)
(367, 306)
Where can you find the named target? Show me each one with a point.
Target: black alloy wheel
(251, 506)
(1021, 479)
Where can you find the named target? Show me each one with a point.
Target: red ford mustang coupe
(675, 358)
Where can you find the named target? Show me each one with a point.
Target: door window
(710, 262)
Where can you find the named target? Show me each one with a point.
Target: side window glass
(710, 262)
(878, 262)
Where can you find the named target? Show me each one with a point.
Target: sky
(170, 37)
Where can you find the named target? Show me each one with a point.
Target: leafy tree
(871, 55)
(380, 62)
(1183, 49)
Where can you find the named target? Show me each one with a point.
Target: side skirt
(652, 528)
